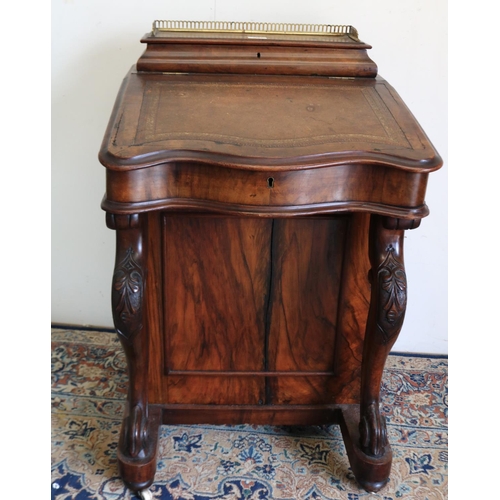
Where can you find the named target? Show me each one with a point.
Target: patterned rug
(243, 462)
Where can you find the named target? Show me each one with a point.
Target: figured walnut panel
(257, 310)
(154, 306)
(215, 295)
(307, 269)
(207, 187)
(304, 390)
(308, 257)
(216, 283)
(332, 314)
(343, 385)
(213, 390)
(353, 310)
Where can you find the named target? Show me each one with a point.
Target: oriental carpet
(242, 462)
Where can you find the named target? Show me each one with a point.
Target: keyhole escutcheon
(270, 182)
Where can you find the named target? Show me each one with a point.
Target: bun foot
(372, 487)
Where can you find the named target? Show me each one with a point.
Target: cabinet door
(307, 260)
(216, 287)
(257, 311)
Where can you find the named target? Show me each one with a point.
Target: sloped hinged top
(267, 120)
(262, 122)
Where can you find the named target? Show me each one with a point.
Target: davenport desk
(260, 179)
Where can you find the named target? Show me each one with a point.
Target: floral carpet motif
(242, 462)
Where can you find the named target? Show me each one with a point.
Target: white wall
(94, 43)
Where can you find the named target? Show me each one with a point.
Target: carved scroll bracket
(385, 319)
(373, 431)
(127, 298)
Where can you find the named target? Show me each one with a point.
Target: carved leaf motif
(128, 285)
(392, 290)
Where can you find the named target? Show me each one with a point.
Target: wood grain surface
(242, 177)
(249, 308)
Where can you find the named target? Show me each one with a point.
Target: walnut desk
(260, 180)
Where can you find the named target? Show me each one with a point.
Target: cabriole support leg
(139, 433)
(371, 455)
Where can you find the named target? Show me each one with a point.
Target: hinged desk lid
(262, 121)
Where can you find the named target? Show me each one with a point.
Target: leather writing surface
(263, 121)
(265, 116)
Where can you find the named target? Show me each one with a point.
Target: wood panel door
(216, 286)
(254, 311)
(307, 257)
